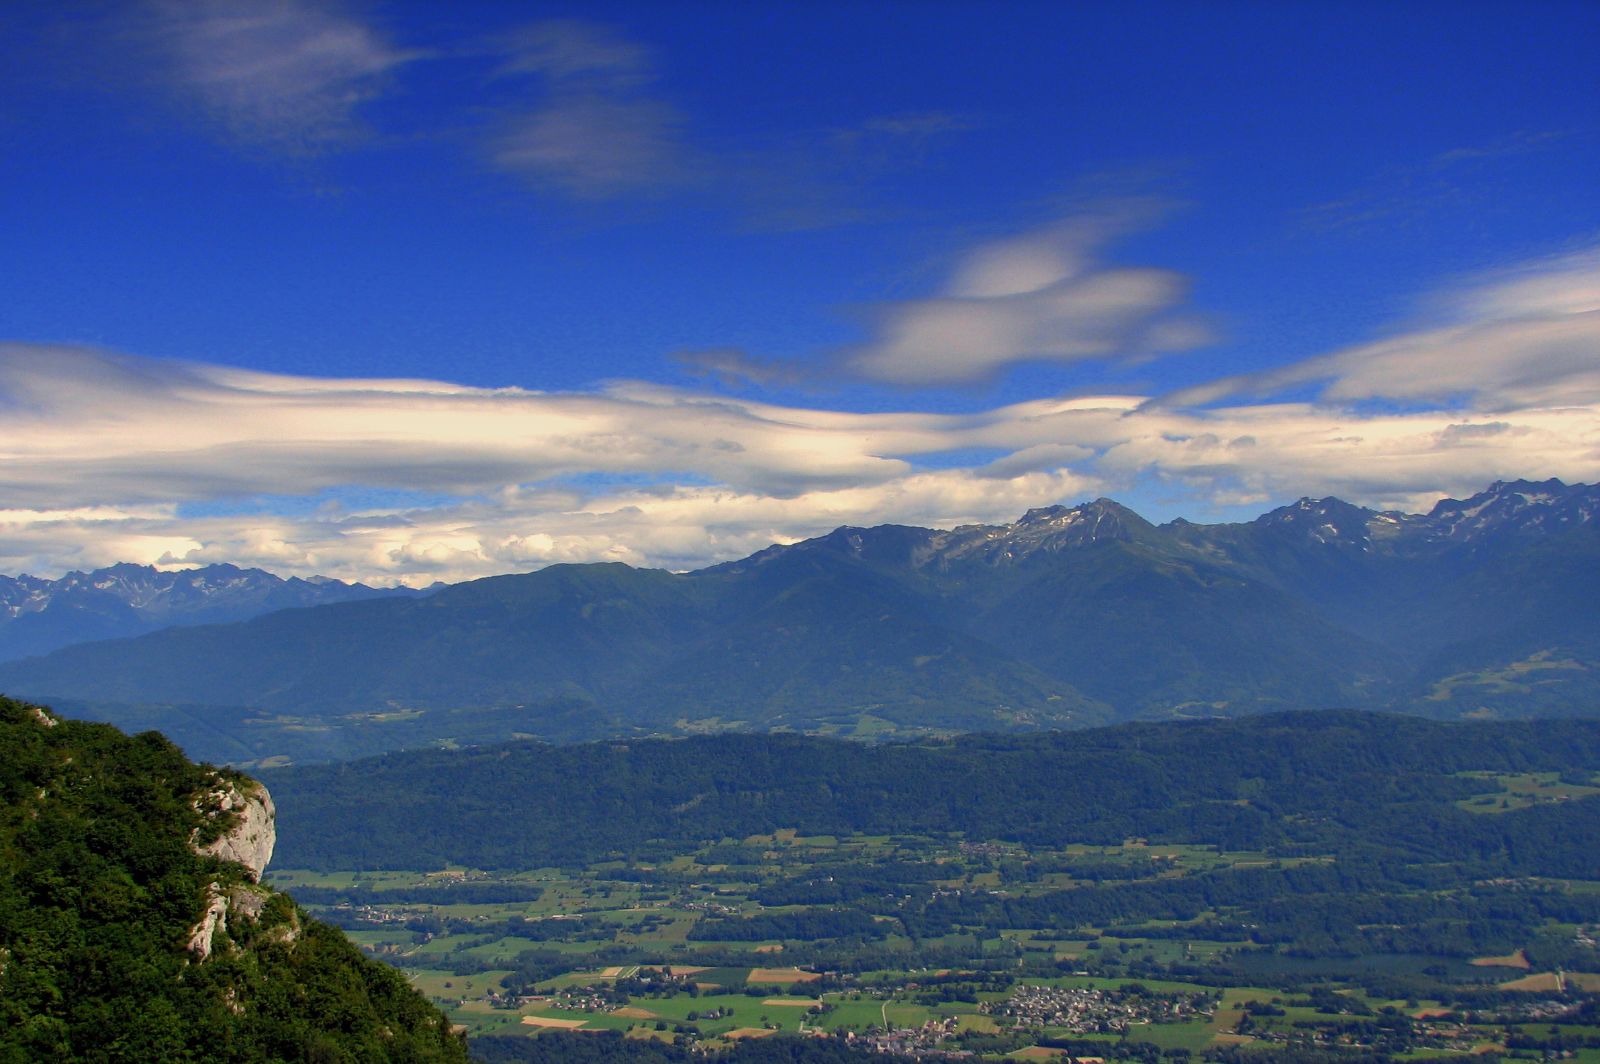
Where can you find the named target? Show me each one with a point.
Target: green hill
(129, 933)
(1296, 783)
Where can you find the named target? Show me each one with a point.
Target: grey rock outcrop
(253, 833)
(249, 831)
(244, 905)
(247, 902)
(202, 937)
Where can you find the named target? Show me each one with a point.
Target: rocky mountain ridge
(1069, 617)
(38, 615)
(241, 815)
(248, 824)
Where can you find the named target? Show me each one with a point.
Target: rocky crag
(242, 816)
(134, 925)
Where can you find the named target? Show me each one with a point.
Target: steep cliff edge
(134, 926)
(244, 820)
(239, 827)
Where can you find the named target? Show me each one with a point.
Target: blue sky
(414, 291)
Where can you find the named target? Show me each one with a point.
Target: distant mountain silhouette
(1068, 617)
(39, 615)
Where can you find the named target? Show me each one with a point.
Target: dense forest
(1381, 787)
(1333, 836)
(101, 889)
(604, 1047)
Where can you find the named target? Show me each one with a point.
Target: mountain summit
(1068, 617)
(39, 615)
(1519, 508)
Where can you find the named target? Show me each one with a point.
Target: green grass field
(617, 917)
(1508, 792)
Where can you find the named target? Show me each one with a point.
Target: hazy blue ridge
(1070, 617)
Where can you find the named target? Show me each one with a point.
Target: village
(1091, 1010)
(923, 1041)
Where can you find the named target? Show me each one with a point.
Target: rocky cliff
(242, 814)
(134, 925)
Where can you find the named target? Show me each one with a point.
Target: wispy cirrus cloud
(575, 53)
(597, 147)
(1527, 336)
(835, 175)
(283, 74)
(600, 124)
(735, 368)
(599, 128)
(573, 107)
(1463, 177)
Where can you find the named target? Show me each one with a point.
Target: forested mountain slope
(1069, 617)
(1307, 783)
(133, 928)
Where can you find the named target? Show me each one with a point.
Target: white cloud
(1042, 297)
(1401, 460)
(573, 50)
(1524, 337)
(281, 73)
(595, 120)
(98, 450)
(571, 106)
(596, 147)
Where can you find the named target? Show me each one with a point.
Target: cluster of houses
(579, 999)
(1087, 1010)
(922, 1041)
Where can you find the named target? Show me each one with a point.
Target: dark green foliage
(99, 890)
(441, 894)
(609, 1047)
(1346, 909)
(1307, 783)
(1396, 867)
(848, 883)
(805, 925)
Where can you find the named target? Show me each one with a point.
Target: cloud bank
(110, 457)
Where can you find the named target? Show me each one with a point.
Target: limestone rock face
(214, 920)
(254, 832)
(249, 821)
(244, 904)
(247, 902)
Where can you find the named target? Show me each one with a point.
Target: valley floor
(901, 944)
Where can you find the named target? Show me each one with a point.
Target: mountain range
(39, 615)
(1069, 617)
